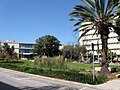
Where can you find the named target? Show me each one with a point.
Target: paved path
(110, 85)
(14, 80)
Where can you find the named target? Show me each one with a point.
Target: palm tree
(100, 15)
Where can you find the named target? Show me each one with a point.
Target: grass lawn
(72, 66)
(84, 67)
(19, 63)
(80, 67)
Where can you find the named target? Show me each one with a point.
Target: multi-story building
(23, 49)
(88, 39)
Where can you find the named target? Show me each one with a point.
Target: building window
(26, 46)
(25, 51)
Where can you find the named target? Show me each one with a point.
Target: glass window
(26, 45)
(25, 51)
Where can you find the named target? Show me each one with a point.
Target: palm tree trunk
(104, 68)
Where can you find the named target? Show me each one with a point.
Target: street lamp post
(98, 49)
(93, 62)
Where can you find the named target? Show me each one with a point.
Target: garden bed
(62, 74)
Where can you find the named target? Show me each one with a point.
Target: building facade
(89, 38)
(23, 49)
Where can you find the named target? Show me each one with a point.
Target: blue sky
(26, 20)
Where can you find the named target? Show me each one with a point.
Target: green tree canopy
(47, 45)
(67, 51)
(7, 49)
(8, 53)
(74, 52)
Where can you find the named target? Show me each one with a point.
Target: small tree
(83, 52)
(2, 54)
(68, 52)
(74, 52)
(111, 56)
(8, 53)
(47, 45)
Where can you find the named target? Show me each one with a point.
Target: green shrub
(78, 77)
(35, 71)
(101, 78)
(50, 63)
(118, 68)
(62, 74)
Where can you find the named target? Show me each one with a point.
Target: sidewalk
(110, 85)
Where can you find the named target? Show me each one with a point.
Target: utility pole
(98, 49)
(93, 62)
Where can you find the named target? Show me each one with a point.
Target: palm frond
(80, 21)
(84, 9)
(102, 7)
(75, 13)
(89, 3)
(97, 8)
(73, 19)
(98, 12)
(76, 30)
(95, 32)
(80, 29)
(118, 11)
(110, 6)
(83, 34)
(86, 15)
(85, 24)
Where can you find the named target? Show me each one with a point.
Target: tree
(98, 15)
(83, 52)
(68, 51)
(111, 56)
(7, 52)
(47, 45)
(77, 53)
(7, 49)
(74, 52)
(2, 54)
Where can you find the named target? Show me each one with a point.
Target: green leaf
(73, 19)
(81, 8)
(89, 3)
(78, 23)
(110, 6)
(76, 30)
(97, 8)
(102, 7)
(84, 33)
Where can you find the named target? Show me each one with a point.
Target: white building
(88, 39)
(23, 49)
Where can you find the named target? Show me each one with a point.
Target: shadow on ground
(48, 88)
(4, 86)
